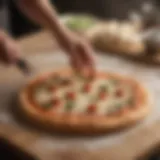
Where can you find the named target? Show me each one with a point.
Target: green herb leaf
(131, 101)
(69, 106)
(47, 106)
(119, 105)
(111, 110)
(103, 88)
(114, 81)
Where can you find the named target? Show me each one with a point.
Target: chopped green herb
(69, 106)
(131, 101)
(115, 108)
(111, 110)
(119, 105)
(114, 81)
(47, 106)
(103, 88)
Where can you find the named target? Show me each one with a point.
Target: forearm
(3, 35)
(42, 12)
(3, 38)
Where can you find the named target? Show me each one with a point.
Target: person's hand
(9, 50)
(79, 50)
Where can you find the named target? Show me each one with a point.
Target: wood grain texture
(133, 147)
(38, 43)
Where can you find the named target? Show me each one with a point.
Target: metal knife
(24, 66)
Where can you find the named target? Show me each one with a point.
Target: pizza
(67, 101)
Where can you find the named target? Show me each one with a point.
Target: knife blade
(24, 66)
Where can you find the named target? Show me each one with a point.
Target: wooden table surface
(37, 42)
(136, 144)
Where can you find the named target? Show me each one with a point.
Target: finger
(6, 55)
(75, 60)
(87, 58)
(86, 53)
(3, 55)
(13, 52)
(4, 58)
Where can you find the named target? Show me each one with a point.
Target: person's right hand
(79, 50)
(9, 50)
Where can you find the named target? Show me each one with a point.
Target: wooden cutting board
(126, 145)
(133, 147)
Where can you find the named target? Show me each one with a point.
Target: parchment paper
(11, 80)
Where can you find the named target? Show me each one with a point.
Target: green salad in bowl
(79, 23)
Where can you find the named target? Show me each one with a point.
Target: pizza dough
(67, 102)
(117, 37)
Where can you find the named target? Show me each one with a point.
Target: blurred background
(19, 25)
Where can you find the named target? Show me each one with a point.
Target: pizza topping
(46, 106)
(56, 102)
(119, 93)
(99, 97)
(123, 110)
(103, 92)
(119, 105)
(87, 88)
(65, 82)
(131, 102)
(91, 108)
(71, 95)
(69, 106)
(52, 88)
(113, 109)
(102, 95)
(41, 95)
(114, 81)
(85, 76)
(103, 88)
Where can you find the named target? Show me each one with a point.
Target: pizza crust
(70, 122)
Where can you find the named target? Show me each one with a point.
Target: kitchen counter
(37, 42)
